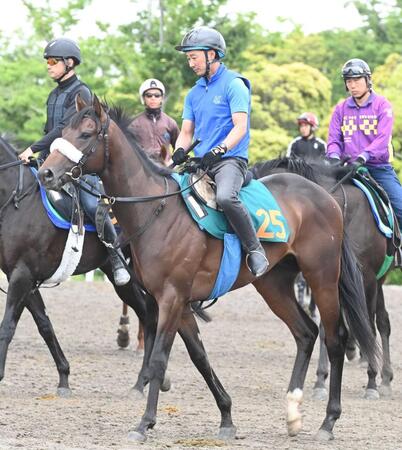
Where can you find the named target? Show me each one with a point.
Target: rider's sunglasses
(149, 95)
(53, 61)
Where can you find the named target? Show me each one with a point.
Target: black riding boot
(257, 261)
(120, 273)
(229, 176)
(90, 203)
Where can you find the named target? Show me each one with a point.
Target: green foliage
(290, 73)
(394, 277)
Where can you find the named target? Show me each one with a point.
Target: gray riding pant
(229, 175)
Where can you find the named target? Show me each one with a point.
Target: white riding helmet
(151, 83)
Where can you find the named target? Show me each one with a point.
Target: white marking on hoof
(385, 391)
(135, 436)
(324, 436)
(320, 394)
(294, 416)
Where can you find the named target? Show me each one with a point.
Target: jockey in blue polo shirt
(217, 112)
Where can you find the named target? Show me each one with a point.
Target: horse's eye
(85, 135)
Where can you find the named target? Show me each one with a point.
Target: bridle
(80, 157)
(17, 193)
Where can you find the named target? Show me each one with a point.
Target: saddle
(387, 216)
(205, 188)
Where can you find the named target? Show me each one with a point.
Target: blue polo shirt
(210, 105)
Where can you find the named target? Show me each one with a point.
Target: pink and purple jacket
(364, 131)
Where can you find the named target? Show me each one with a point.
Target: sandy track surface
(250, 349)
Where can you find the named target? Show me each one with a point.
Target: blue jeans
(387, 178)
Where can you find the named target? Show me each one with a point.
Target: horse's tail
(200, 312)
(354, 306)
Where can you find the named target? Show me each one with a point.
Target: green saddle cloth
(267, 217)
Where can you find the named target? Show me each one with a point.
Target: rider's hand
(26, 154)
(213, 156)
(356, 164)
(334, 161)
(179, 156)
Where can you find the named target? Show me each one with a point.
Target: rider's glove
(179, 156)
(213, 156)
(334, 161)
(356, 164)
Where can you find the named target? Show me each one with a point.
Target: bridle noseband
(80, 157)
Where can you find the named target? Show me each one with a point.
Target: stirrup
(262, 270)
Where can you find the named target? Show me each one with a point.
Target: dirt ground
(250, 349)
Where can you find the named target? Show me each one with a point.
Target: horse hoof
(123, 339)
(385, 391)
(294, 427)
(136, 436)
(136, 394)
(324, 436)
(227, 433)
(371, 394)
(64, 392)
(320, 394)
(351, 355)
(139, 353)
(166, 384)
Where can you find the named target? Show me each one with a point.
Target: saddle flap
(204, 190)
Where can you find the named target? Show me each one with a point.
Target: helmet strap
(67, 69)
(208, 64)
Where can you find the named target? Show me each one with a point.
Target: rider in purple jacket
(361, 130)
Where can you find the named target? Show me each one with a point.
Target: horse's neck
(127, 175)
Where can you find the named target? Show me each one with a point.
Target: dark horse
(370, 247)
(177, 262)
(31, 248)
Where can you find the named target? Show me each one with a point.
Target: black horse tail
(200, 312)
(354, 306)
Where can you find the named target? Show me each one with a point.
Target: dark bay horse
(370, 247)
(30, 249)
(177, 262)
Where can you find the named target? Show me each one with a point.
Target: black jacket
(60, 108)
(307, 148)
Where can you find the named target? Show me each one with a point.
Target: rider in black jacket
(62, 56)
(307, 145)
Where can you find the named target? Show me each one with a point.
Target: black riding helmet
(203, 38)
(63, 48)
(357, 68)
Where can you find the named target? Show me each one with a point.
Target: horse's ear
(100, 112)
(79, 102)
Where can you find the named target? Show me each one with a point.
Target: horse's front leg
(36, 307)
(169, 317)
(19, 286)
(190, 334)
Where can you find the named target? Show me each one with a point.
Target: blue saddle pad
(57, 220)
(266, 215)
(386, 230)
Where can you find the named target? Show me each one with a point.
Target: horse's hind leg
(123, 336)
(35, 305)
(371, 291)
(190, 334)
(384, 328)
(319, 389)
(276, 287)
(19, 286)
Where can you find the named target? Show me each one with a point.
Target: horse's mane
(315, 170)
(122, 120)
(5, 143)
(293, 165)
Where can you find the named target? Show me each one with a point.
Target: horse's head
(83, 147)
